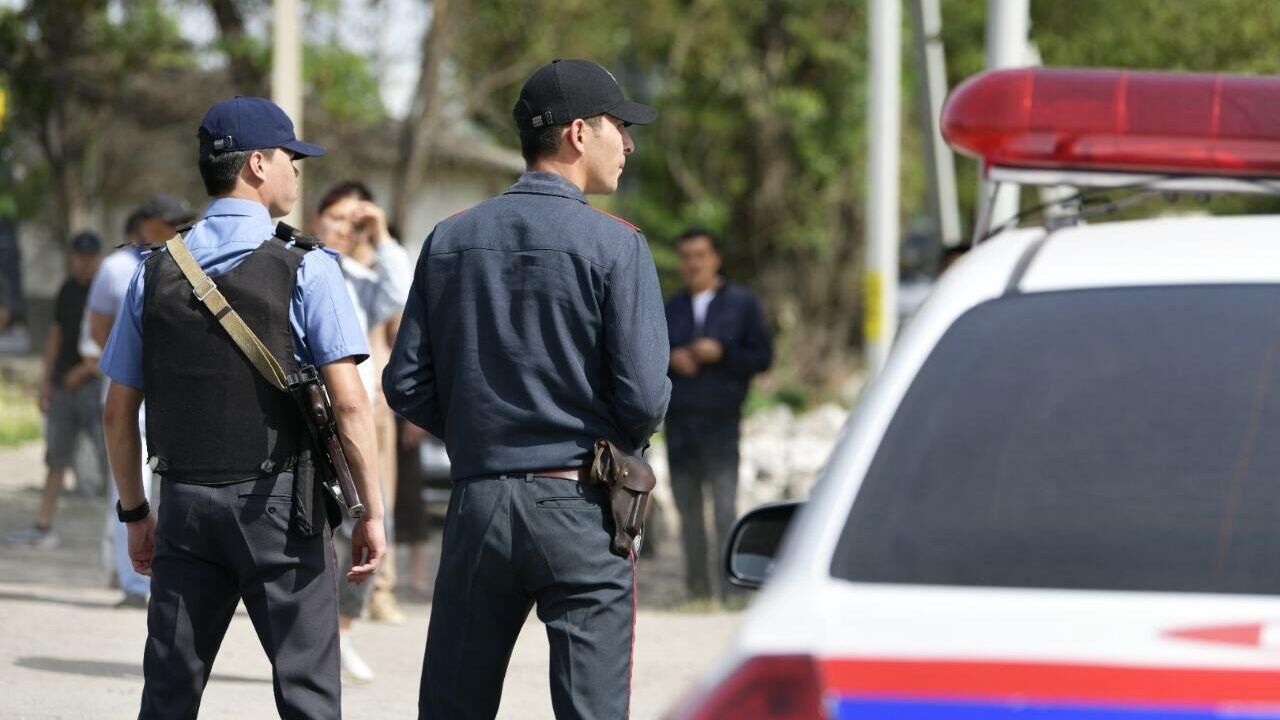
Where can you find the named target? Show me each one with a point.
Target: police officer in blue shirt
(534, 327)
(226, 443)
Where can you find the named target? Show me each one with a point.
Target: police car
(1061, 498)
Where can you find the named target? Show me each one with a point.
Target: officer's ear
(255, 168)
(576, 135)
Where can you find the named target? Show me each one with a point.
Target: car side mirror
(754, 541)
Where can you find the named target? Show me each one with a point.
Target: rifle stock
(313, 401)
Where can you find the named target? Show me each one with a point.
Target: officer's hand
(46, 395)
(707, 350)
(142, 542)
(683, 362)
(368, 546)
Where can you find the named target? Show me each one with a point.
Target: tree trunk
(424, 113)
(248, 78)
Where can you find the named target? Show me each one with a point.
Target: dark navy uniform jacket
(534, 327)
(734, 318)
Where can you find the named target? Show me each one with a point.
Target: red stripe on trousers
(632, 663)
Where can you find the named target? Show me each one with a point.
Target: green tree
(68, 67)
(759, 136)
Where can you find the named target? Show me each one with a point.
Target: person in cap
(226, 443)
(69, 391)
(534, 327)
(150, 224)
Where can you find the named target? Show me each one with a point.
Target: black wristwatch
(134, 515)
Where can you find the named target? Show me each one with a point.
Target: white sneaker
(354, 668)
(36, 537)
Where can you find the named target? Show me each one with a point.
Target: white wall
(447, 192)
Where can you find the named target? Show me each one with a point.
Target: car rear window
(1124, 439)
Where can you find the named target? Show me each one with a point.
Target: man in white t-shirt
(154, 222)
(719, 340)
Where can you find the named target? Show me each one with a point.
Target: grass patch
(20, 419)
(793, 395)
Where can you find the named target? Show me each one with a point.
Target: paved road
(67, 653)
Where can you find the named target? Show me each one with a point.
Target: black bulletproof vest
(211, 417)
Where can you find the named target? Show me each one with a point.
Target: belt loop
(528, 477)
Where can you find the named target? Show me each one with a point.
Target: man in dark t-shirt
(70, 392)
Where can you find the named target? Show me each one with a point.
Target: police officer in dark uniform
(226, 443)
(534, 327)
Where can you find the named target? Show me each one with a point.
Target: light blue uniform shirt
(325, 328)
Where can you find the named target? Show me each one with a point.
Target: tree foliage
(761, 134)
(758, 135)
(67, 67)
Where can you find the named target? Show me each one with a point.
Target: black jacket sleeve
(409, 380)
(752, 352)
(635, 334)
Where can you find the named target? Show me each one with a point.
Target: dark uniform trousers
(216, 545)
(511, 542)
(702, 453)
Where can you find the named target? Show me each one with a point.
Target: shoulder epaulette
(615, 217)
(457, 213)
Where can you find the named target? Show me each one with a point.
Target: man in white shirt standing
(155, 221)
(719, 340)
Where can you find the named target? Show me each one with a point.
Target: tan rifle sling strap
(206, 291)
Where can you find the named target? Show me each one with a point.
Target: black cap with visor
(565, 90)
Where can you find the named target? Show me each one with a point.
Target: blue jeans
(117, 537)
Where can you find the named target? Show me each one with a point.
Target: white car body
(898, 651)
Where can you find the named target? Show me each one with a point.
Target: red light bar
(1120, 120)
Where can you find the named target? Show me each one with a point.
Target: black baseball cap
(564, 90)
(169, 208)
(86, 243)
(250, 123)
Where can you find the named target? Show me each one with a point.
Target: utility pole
(884, 125)
(286, 75)
(939, 161)
(1008, 22)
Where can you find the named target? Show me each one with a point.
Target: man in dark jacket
(534, 327)
(718, 341)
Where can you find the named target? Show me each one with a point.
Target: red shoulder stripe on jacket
(615, 217)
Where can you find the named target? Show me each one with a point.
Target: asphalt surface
(66, 652)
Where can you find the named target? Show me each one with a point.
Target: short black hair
(343, 190)
(697, 232)
(545, 141)
(220, 170)
(133, 224)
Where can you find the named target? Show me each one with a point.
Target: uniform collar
(239, 207)
(546, 183)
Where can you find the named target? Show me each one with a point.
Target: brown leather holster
(629, 481)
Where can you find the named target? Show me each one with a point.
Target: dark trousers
(511, 543)
(702, 453)
(216, 545)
